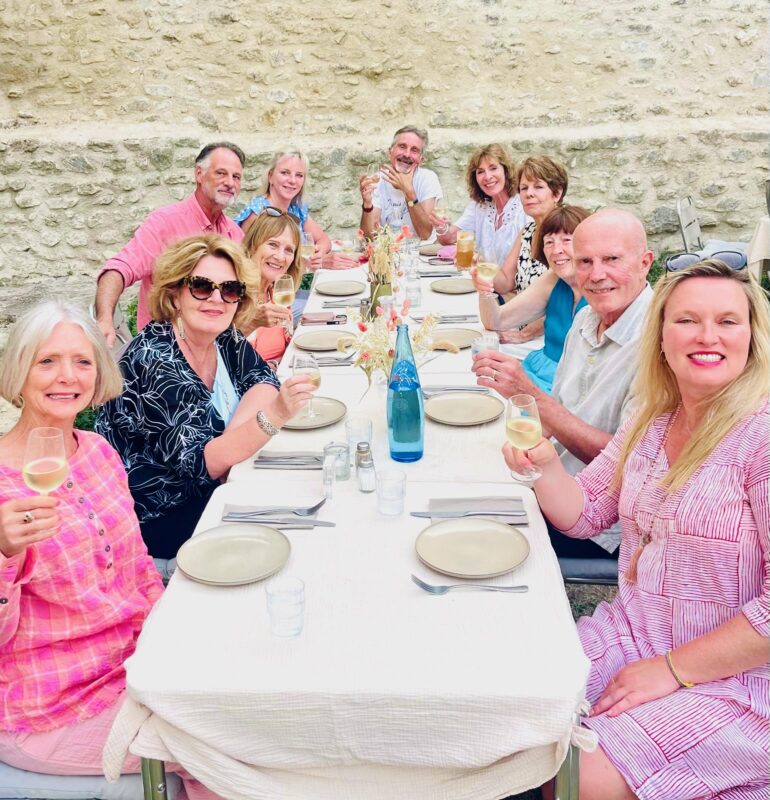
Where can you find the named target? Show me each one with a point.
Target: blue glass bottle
(406, 416)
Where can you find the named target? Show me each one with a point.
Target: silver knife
(299, 521)
(460, 513)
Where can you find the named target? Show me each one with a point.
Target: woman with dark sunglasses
(273, 242)
(197, 398)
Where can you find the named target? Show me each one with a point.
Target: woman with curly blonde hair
(680, 683)
(197, 398)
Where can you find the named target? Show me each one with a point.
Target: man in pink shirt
(218, 171)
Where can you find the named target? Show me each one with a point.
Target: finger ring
(27, 518)
(494, 372)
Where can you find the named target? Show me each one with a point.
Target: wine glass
(45, 461)
(283, 295)
(487, 266)
(441, 211)
(307, 249)
(523, 429)
(307, 365)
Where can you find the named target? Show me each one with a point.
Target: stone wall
(104, 103)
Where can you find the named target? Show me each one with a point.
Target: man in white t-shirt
(402, 192)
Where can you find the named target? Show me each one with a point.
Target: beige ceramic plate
(233, 554)
(340, 288)
(327, 411)
(471, 547)
(461, 337)
(430, 249)
(319, 341)
(453, 286)
(463, 408)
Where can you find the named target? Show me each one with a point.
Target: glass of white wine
(523, 429)
(487, 266)
(307, 366)
(306, 249)
(45, 460)
(283, 295)
(442, 212)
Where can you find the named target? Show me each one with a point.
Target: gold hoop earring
(180, 326)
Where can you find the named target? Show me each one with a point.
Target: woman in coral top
(679, 681)
(273, 242)
(76, 583)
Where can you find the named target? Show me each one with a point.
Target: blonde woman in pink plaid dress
(76, 583)
(680, 684)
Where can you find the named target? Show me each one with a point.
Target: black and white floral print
(165, 416)
(528, 268)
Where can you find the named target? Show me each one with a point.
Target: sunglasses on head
(202, 288)
(272, 211)
(733, 258)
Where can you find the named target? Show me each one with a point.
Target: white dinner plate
(326, 410)
(453, 286)
(471, 547)
(460, 337)
(320, 341)
(340, 288)
(463, 408)
(233, 554)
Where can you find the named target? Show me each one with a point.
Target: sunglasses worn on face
(733, 258)
(202, 288)
(272, 211)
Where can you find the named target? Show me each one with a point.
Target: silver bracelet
(265, 424)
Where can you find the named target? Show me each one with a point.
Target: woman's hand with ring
(292, 398)
(26, 520)
(522, 461)
(269, 315)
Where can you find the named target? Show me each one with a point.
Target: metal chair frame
(688, 225)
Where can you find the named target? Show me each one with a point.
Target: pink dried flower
(378, 311)
(363, 327)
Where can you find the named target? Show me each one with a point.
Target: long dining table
(388, 692)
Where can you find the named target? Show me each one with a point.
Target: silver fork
(443, 589)
(272, 510)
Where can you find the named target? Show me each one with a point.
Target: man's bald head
(611, 261)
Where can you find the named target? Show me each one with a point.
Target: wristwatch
(412, 203)
(366, 209)
(265, 424)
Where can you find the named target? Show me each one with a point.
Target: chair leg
(154, 779)
(567, 784)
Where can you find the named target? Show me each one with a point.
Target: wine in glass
(306, 249)
(45, 461)
(283, 295)
(307, 366)
(523, 429)
(465, 243)
(442, 212)
(487, 266)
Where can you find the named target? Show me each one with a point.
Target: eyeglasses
(202, 288)
(272, 211)
(733, 258)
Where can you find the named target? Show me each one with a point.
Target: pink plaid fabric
(707, 561)
(162, 228)
(72, 606)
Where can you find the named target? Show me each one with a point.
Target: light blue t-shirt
(223, 395)
(258, 204)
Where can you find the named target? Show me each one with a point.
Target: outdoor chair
(18, 784)
(589, 570)
(691, 233)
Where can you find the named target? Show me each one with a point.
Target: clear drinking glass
(286, 606)
(283, 295)
(357, 429)
(523, 429)
(306, 249)
(465, 244)
(307, 365)
(487, 341)
(391, 487)
(45, 460)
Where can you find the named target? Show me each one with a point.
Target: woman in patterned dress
(680, 683)
(197, 397)
(541, 182)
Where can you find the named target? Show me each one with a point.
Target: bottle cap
(362, 447)
(367, 461)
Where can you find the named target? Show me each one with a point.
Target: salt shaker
(362, 449)
(367, 481)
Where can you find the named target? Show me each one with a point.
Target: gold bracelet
(683, 684)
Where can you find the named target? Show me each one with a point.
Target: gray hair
(203, 158)
(421, 132)
(32, 329)
(288, 153)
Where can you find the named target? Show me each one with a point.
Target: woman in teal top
(554, 292)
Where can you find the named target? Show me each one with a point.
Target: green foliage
(306, 281)
(84, 421)
(131, 315)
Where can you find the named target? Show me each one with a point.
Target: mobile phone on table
(323, 318)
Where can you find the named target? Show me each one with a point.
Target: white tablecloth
(388, 692)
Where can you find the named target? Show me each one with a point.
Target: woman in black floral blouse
(197, 397)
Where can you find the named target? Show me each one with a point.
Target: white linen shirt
(593, 379)
(392, 202)
(481, 219)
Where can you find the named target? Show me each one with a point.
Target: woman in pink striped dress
(680, 683)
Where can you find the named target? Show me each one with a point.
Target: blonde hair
(498, 153)
(267, 227)
(180, 260)
(274, 163)
(28, 334)
(657, 391)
